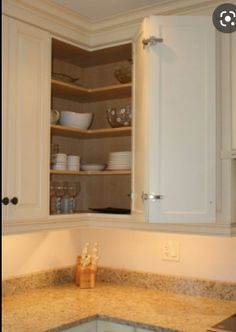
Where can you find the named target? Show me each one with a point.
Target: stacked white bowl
(73, 163)
(59, 161)
(119, 160)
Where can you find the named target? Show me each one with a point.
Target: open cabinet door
(175, 87)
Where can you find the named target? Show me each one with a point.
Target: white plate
(118, 167)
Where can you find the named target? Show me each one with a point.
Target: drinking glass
(60, 190)
(65, 200)
(73, 191)
(52, 198)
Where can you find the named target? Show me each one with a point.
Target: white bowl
(59, 167)
(60, 158)
(73, 167)
(92, 167)
(73, 159)
(76, 120)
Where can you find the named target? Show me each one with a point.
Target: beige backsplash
(172, 284)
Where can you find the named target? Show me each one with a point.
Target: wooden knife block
(85, 277)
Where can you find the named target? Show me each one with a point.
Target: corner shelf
(89, 173)
(74, 92)
(90, 133)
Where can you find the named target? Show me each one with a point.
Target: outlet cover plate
(170, 250)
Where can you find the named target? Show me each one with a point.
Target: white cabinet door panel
(28, 120)
(103, 326)
(182, 119)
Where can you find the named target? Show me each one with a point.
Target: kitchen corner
(64, 305)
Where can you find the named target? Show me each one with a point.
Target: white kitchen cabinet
(176, 120)
(25, 120)
(104, 326)
(85, 327)
(173, 130)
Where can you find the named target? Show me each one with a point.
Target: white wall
(28, 253)
(207, 257)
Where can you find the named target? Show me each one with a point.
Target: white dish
(92, 167)
(59, 167)
(73, 158)
(76, 120)
(118, 168)
(73, 164)
(73, 167)
(60, 158)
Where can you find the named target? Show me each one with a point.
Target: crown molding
(66, 23)
(50, 17)
(171, 7)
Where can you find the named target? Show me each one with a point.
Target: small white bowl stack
(119, 160)
(62, 162)
(73, 163)
(59, 161)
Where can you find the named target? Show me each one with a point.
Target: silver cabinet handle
(151, 197)
(151, 41)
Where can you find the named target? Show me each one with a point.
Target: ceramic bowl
(119, 117)
(76, 120)
(92, 167)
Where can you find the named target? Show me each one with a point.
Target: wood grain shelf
(83, 58)
(74, 92)
(90, 133)
(89, 173)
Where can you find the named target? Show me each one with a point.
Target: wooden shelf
(74, 92)
(66, 172)
(90, 133)
(83, 58)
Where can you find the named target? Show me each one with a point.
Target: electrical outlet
(170, 250)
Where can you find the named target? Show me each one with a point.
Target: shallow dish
(92, 167)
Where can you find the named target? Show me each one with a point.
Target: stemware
(65, 200)
(73, 191)
(52, 198)
(60, 190)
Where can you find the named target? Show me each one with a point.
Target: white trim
(66, 23)
(131, 222)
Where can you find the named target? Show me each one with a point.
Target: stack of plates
(119, 160)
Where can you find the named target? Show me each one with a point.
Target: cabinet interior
(95, 91)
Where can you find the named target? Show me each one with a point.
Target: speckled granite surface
(58, 307)
(173, 284)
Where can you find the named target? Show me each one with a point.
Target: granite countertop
(52, 308)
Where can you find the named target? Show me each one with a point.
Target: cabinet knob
(14, 200)
(5, 201)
